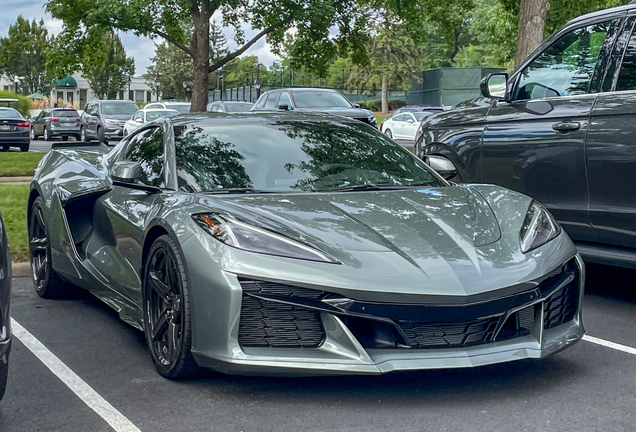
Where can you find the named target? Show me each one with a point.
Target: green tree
(86, 20)
(393, 58)
(23, 54)
(106, 67)
(174, 66)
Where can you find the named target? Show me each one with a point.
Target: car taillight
(23, 124)
(55, 120)
(77, 120)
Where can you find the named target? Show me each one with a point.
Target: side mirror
(494, 86)
(356, 105)
(410, 120)
(442, 166)
(283, 107)
(126, 172)
(139, 120)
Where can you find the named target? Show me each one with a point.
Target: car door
(611, 148)
(91, 120)
(396, 126)
(534, 142)
(130, 209)
(409, 127)
(38, 124)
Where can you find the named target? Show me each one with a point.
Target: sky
(142, 49)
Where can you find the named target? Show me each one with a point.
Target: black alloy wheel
(167, 319)
(45, 281)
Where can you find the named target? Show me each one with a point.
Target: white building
(75, 91)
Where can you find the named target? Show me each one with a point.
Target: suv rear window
(65, 113)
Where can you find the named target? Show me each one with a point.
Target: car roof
(235, 101)
(296, 89)
(602, 12)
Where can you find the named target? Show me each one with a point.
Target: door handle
(566, 126)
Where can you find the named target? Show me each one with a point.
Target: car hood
(121, 117)
(346, 112)
(404, 221)
(468, 112)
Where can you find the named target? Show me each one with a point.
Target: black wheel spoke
(159, 326)
(40, 271)
(40, 217)
(172, 340)
(158, 285)
(39, 244)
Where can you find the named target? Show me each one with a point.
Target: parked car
(144, 116)
(312, 99)
(559, 129)
(182, 107)
(301, 244)
(104, 120)
(14, 129)
(403, 126)
(56, 122)
(5, 298)
(414, 108)
(230, 106)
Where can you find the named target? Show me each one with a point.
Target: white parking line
(85, 392)
(608, 344)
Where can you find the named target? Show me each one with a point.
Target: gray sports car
(271, 243)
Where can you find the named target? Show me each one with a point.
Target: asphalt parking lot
(586, 388)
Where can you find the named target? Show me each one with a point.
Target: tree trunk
(201, 61)
(532, 15)
(385, 94)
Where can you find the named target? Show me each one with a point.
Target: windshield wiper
(237, 191)
(368, 187)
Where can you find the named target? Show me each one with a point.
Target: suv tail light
(23, 124)
(55, 120)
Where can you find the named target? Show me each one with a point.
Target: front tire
(167, 314)
(45, 281)
(64, 138)
(83, 136)
(388, 133)
(101, 136)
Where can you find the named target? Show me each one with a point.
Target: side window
(139, 114)
(260, 103)
(147, 148)
(627, 74)
(284, 100)
(272, 100)
(566, 67)
(401, 117)
(220, 108)
(88, 108)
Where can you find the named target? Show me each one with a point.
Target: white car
(182, 107)
(146, 115)
(404, 125)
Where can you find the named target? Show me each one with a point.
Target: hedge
(376, 104)
(23, 105)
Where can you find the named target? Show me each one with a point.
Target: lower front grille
(455, 335)
(272, 324)
(561, 306)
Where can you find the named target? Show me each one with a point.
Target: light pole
(129, 84)
(303, 76)
(343, 84)
(257, 83)
(16, 80)
(157, 82)
(185, 94)
(311, 80)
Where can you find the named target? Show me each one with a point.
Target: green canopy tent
(36, 96)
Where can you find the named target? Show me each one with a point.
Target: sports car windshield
(119, 108)
(293, 156)
(317, 99)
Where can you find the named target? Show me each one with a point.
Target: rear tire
(64, 138)
(4, 148)
(46, 134)
(167, 314)
(24, 147)
(45, 281)
(78, 137)
(388, 133)
(34, 137)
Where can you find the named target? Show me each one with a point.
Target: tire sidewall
(49, 264)
(46, 134)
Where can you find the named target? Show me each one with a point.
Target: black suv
(104, 119)
(313, 99)
(559, 129)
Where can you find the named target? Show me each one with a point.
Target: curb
(21, 269)
(20, 179)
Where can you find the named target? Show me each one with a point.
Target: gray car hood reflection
(403, 221)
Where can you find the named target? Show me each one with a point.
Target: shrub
(23, 105)
(376, 104)
(141, 104)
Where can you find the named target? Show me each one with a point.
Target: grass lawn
(380, 117)
(13, 199)
(14, 164)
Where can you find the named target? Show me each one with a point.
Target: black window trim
(122, 154)
(628, 30)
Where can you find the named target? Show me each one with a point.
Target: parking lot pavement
(586, 388)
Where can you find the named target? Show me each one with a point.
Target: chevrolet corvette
(299, 244)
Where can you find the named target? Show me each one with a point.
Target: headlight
(252, 239)
(111, 122)
(538, 228)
